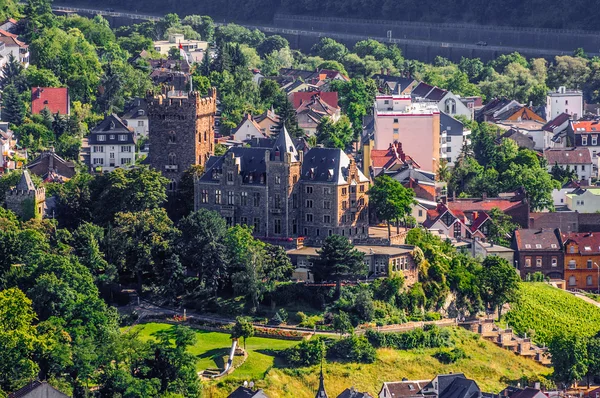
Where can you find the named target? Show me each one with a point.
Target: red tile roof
(463, 205)
(588, 242)
(588, 126)
(300, 97)
(386, 158)
(56, 99)
(12, 38)
(568, 156)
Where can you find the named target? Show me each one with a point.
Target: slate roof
(284, 144)
(25, 183)
(546, 239)
(556, 122)
(522, 140)
(29, 388)
(112, 126)
(450, 125)
(404, 389)
(527, 392)
(327, 165)
(571, 155)
(396, 83)
(55, 99)
(460, 387)
(251, 161)
(139, 109)
(352, 393)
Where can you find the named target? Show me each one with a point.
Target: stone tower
(25, 200)
(181, 131)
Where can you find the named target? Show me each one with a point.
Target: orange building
(582, 260)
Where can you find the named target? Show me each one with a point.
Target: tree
(330, 49)
(563, 175)
(501, 227)
(13, 108)
(243, 328)
(12, 74)
(337, 134)
(499, 282)
(202, 249)
(338, 259)
(390, 200)
(18, 339)
(569, 358)
(593, 358)
(341, 323)
(272, 43)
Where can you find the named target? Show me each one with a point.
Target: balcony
(171, 167)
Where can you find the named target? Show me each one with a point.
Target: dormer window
(122, 137)
(101, 137)
(111, 137)
(141, 112)
(330, 175)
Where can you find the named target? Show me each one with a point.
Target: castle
(283, 193)
(25, 200)
(181, 131)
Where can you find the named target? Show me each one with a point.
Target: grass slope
(546, 310)
(491, 366)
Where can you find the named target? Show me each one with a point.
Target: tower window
(172, 159)
(172, 137)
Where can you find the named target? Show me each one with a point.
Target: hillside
(491, 366)
(548, 310)
(536, 13)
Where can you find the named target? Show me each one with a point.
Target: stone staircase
(506, 339)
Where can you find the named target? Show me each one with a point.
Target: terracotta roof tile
(56, 99)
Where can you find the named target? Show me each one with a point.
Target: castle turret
(25, 200)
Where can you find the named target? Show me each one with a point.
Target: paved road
(334, 35)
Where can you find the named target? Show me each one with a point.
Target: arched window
(172, 159)
(450, 106)
(588, 281)
(172, 186)
(172, 137)
(572, 281)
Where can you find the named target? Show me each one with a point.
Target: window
(309, 189)
(126, 148)
(538, 246)
(583, 166)
(344, 191)
(594, 140)
(420, 213)
(395, 120)
(554, 262)
(584, 140)
(101, 137)
(448, 139)
(277, 201)
(277, 226)
(309, 203)
(230, 176)
(294, 226)
(99, 148)
(256, 225)
(111, 155)
(295, 201)
(572, 281)
(244, 198)
(125, 161)
(122, 137)
(327, 204)
(277, 179)
(172, 158)
(172, 186)
(326, 219)
(528, 261)
(309, 218)
(589, 264)
(457, 230)
(172, 137)
(230, 197)
(571, 249)
(538, 262)
(204, 196)
(386, 102)
(588, 280)
(396, 134)
(218, 196)
(256, 199)
(362, 188)
(98, 161)
(344, 204)
(572, 264)
(229, 221)
(327, 191)
(244, 220)
(140, 123)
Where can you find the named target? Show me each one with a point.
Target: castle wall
(26, 204)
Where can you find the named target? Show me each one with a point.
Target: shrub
(432, 316)
(307, 321)
(429, 337)
(353, 349)
(307, 353)
(450, 356)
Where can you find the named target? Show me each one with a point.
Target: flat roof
(370, 250)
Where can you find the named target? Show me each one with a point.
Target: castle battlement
(28, 193)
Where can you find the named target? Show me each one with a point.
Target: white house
(195, 49)
(137, 118)
(112, 145)
(577, 159)
(248, 129)
(9, 44)
(584, 200)
(446, 101)
(564, 101)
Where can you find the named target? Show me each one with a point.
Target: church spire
(321, 393)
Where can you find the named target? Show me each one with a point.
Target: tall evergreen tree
(12, 73)
(13, 109)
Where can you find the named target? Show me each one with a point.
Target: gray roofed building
(328, 165)
(244, 392)
(37, 389)
(352, 393)
(451, 125)
(111, 144)
(25, 183)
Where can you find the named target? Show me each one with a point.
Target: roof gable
(55, 99)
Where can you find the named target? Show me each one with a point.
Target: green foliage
(450, 356)
(430, 337)
(243, 328)
(355, 349)
(329, 49)
(341, 323)
(13, 108)
(499, 282)
(307, 353)
(337, 134)
(338, 259)
(390, 200)
(569, 358)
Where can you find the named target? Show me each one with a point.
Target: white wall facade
(564, 101)
(110, 157)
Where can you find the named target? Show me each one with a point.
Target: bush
(432, 316)
(307, 353)
(353, 349)
(307, 321)
(450, 356)
(429, 337)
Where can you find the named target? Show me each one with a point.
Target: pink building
(414, 124)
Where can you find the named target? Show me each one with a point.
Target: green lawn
(212, 347)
